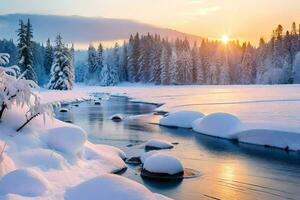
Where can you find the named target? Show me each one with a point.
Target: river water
(228, 170)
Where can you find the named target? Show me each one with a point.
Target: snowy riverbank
(54, 160)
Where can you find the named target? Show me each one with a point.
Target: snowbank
(69, 140)
(164, 164)
(182, 118)
(109, 187)
(158, 144)
(24, 182)
(218, 124)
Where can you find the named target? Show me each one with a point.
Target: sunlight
(225, 39)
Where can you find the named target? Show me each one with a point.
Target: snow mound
(6, 164)
(69, 140)
(272, 138)
(182, 119)
(163, 164)
(105, 155)
(45, 159)
(109, 187)
(146, 155)
(24, 182)
(222, 125)
(158, 144)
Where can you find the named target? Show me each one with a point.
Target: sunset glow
(225, 39)
(245, 20)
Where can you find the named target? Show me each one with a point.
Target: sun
(225, 39)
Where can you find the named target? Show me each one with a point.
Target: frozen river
(228, 170)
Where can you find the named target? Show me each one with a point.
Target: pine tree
(124, 63)
(61, 71)
(165, 65)
(25, 50)
(92, 66)
(133, 56)
(49, 55)
(174, 69)
(99, 62)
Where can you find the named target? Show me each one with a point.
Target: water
(228, 170)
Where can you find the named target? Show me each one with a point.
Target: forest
(153, 59)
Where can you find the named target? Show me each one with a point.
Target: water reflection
(229, 170)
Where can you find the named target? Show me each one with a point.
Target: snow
(45, 159)
(158, 144)
(181, 118)
(117, 117)
(147, 155)
(109, 187)
(69, 140)
(218, 124)
(24, 182)
(160, 163)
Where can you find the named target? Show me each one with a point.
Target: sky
(240, 19)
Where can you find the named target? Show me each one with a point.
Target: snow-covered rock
(182, 118)
(45, 159)
(105, 155)
(158, 144)
(117, 117)
(69, 139)
(163, 164)
(64, 110)
(24, 182)
(109, 187)
(222, 125)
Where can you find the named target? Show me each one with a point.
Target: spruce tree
(92, 66)
(61, 71)
(25, 50)
(49, 55)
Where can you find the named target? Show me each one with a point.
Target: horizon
(244, 21)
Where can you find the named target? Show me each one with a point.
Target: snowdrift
(182, 119)
(109, 187)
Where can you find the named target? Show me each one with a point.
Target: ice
(160, 163)
(24, 182)
(158, 144)
(181, 118)
(218, 124)
(109, 187)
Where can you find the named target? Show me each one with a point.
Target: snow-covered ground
(54, 160)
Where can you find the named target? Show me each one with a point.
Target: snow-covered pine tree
(25, 50)
(144, 59)
(165, 65)
(49, 56)
(185, 67)
(133, 55)
(61, 71)
(99, 62)
(248, 66)
(115, 68)
(91, 78)
(174, 68)
(124, 62)
(155, 60)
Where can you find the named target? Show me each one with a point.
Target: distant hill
(83, 30)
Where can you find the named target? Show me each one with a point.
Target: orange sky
(240, 19)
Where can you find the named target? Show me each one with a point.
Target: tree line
(152, 59)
